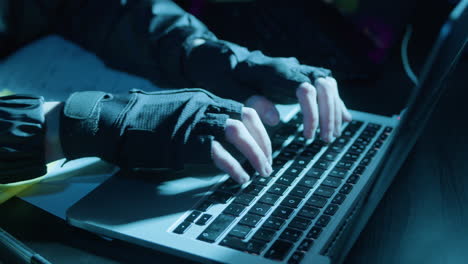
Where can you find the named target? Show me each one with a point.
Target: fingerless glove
(165, 129)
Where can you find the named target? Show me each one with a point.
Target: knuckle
(249, 113)
(234, 128)
(306, 91)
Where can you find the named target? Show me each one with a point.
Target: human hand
(232, 71)
(320, 104)
(165, 129)
(251, 139)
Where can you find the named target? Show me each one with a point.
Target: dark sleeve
(142, 37)
(22, 135)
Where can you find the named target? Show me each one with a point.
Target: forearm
(145, 38)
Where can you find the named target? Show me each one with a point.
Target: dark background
(422, 218)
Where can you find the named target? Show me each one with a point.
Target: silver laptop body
(311, 210)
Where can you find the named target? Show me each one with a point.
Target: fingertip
(272, 117)
(347, 116)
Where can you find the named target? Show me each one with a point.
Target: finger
(265, 109)
(338, 117)
(238, 135)
(255, 127)
(325, 98)
(307, 97)
(347, 116)
(227, 163)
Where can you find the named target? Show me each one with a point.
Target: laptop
(310, 210)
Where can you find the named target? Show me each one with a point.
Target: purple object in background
(381, 34)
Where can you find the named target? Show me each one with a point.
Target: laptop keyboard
(279, 216)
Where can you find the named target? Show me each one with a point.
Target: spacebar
(215, 229)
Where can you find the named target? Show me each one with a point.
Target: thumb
(265, 109)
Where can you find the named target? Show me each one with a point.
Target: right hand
(249, 136)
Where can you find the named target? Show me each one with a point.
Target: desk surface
(421, 219)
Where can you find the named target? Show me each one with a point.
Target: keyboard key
(373, 126)
(274, 223)
(341, 141)
(353, 179)
(344, 165)
(292, 172)
(283, 212)
(277, 189)
(307, 182)
(346, 188)
(252, 246)
(291, 201)
(323, 220)
(329, 155)
(359, 170)
(314, 232)
(331, 209)
(260, 209)
(339, 198)
(269, 198)
(204, 219)
(315, 173)
(299, 191)
(300, 223)
(296, 257)
(230, 186)
(305, 245)
(279, 163)
(339, 173)
(255, 246)
(332, 182)
(240, 231)
(182, 227)
(285, 180)
(220, 197)
(356, 149)
(245, 199)
(234, 209)
(264, 234)
(309, 212)
(291, 235)
(322, 164)
(324, 191)
(250, 220)
(261, 180)
(279, 250)
(253, 189)
(350, 157)
(193, 216)
(203, 206)
(317, 201)
(310, 154)
(365, 161)
(300, 163)
(216, 228)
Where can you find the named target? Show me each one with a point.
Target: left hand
(320, 104)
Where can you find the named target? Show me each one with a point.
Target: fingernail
(267, 170)
(271, 117)
(244, 179)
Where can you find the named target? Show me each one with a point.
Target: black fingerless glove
(231, 71)
(22, 138)
(165, 129)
